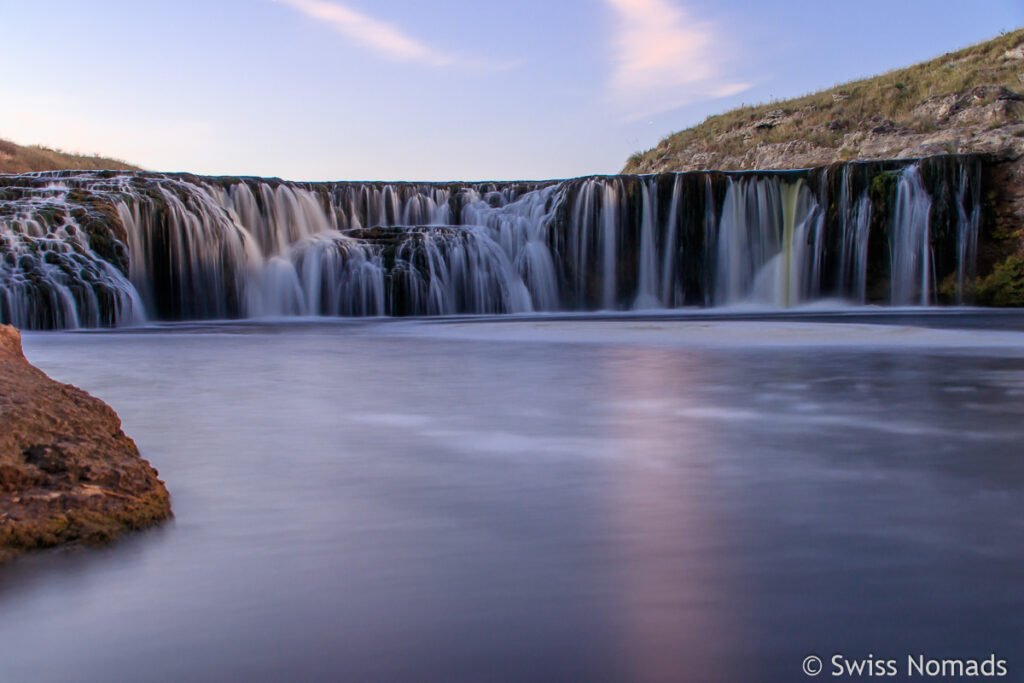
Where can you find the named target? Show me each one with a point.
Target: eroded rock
(68, 473)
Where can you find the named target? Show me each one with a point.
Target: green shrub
(1004, 286)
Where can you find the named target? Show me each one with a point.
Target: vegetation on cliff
(29, 159)
(1004, 286)
(961, 102)
(67, 471)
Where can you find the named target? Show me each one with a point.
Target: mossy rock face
(1004, 286)
(882, 194)
(105, 245)
(883, 189)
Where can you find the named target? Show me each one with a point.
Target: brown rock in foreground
(67, 471)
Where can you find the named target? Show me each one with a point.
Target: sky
(438, 90)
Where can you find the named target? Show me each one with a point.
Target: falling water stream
(88, 249)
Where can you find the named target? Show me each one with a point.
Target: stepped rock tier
(115, 248)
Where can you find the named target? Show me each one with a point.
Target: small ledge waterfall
(101, 248)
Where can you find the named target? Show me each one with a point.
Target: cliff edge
(67, 471)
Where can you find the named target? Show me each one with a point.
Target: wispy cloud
(664, 58)
(387, 39)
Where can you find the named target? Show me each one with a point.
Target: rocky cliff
(965, 102)
(67, 471)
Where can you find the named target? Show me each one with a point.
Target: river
(707, 496)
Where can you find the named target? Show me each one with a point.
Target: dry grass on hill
(824, 118)
(27, 159)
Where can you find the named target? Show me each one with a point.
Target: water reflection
(668, 527)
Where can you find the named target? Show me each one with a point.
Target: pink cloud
(664, 58)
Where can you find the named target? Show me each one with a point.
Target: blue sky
(439, 90)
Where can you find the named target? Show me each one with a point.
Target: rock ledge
(67, 471)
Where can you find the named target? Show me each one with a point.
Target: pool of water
(620, 498)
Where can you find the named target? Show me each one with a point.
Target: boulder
(68, 473)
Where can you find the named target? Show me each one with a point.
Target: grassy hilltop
(27, 159)
(965, 101)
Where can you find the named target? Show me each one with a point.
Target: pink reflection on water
(678, 604)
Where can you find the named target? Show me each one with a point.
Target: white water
(911, 254)
(856, 231)
(195, 248)
(750, 236)
(969, 188)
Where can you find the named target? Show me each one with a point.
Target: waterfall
(520, 226)
(579, 247)
(103, 248)
(968, 206)
(910, 250)
(609, 234)
(750, 240)
(670, 295)
(856, 223)
(710, 240)
(786, 268)
(790, 195)
(647, 295)
(52, 273)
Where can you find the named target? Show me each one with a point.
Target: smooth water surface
(618, 499)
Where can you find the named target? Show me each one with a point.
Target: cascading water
(609, 246)
(911, 254)
(968, 206)
(670, 294)
(520, 227)
(53, 272)
(103, 248)
(856, 222)
(749, 236)
(647, 286)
